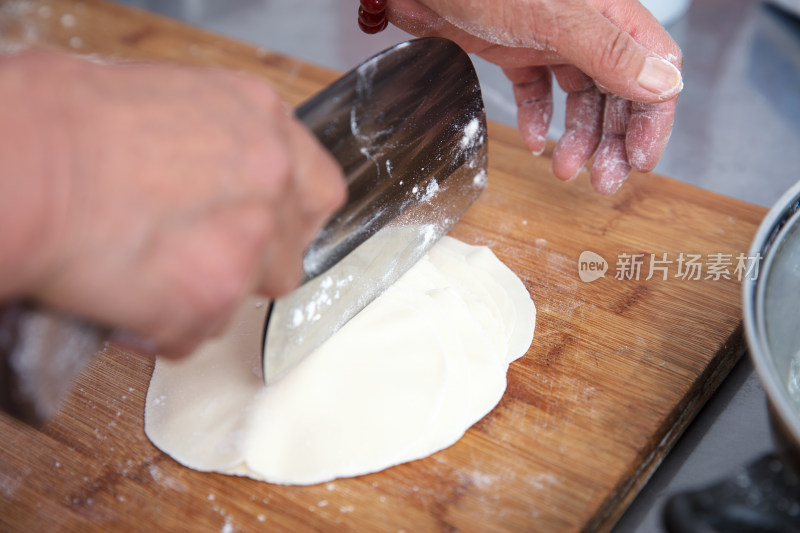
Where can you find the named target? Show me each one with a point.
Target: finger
(621, 44)
(635, 19)
(650, 124)
(315, 190)
(648, 133)
(583, 124)
(282, 269)
(320, 181)
(300, 185)
(224, 254)
(610, 167)
(570, 79)
(281, 259)
(414, 17)
(533, 91)
(418, 19)
(609, 54)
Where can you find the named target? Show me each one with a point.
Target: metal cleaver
(409, 129)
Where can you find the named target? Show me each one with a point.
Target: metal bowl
(772, 319)
(763, 496)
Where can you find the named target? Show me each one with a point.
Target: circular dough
(403, 379)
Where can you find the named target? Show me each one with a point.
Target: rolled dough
(403, 379)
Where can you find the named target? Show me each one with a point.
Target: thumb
(617, 63)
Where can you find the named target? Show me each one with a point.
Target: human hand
(171, 194)
(617, 64)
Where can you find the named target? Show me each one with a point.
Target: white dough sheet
(402, 380)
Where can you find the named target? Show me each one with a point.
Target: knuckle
(617, 54)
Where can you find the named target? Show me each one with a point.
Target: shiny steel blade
(409, 129)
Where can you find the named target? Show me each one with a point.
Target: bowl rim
(784, 213)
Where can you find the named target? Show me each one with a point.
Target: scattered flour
(68, 20)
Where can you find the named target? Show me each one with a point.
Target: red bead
(370, 19)
(374, 7)
(373, 29)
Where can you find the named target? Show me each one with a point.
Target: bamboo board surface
(617, 369)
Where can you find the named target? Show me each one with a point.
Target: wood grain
(617, 370)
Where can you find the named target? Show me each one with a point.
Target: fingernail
(660, 77)
(577, 173)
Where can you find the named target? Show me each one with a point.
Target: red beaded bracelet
(372, 16)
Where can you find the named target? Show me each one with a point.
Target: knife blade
(409, 129)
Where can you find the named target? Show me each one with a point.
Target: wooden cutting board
(617, 369)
